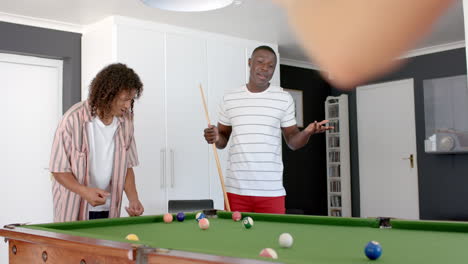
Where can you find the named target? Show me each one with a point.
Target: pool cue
(215, 151)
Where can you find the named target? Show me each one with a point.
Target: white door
(187, 151)
(387, 140)
(226, 64)
(33, 102)
(147, 59)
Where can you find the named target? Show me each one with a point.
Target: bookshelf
(338, 162)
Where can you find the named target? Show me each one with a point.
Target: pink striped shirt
(70, 152)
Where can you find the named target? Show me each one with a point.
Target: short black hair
(264, 47)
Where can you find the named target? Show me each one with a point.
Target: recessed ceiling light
(188, 5)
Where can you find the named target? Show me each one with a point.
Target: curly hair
(108, 83)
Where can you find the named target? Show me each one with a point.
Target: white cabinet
(175, 161)
(338, 162)
(186, 69)
(150, 111)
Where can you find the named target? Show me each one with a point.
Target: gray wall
(48, 43)
(443, 179)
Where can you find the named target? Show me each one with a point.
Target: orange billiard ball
(168, 218)
(204, 223)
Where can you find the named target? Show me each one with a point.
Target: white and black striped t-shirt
(255, 166)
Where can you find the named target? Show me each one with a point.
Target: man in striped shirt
(94, 151)
(254, 116)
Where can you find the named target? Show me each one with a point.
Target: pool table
(317, 239)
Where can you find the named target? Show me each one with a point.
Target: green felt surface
(316, 239)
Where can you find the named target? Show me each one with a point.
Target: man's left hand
(318, 127)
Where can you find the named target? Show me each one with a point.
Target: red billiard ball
(269, 253)
(236, 216)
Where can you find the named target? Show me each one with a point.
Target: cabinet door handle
(172, 168)
(163, 168)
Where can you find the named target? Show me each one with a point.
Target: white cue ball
(285, 240)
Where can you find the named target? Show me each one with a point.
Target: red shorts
(257, 204)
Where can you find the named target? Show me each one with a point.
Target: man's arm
(135, 207)
(360, 39)
(94, 196)
(296, 139)
(218, 135)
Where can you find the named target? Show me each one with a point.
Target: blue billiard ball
(373, 250)
(180, 217)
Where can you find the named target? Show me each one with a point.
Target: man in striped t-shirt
(94, 151)
(254, 116)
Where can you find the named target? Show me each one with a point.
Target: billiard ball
(269, 253)
(180, 217)
(132, 237)
(199, 216)
(168, 218)
(373, 250)
(285, 240)
(247, 222)
(204, 223)
(236, 216)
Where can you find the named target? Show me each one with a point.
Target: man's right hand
(95, 196)
(211, 134)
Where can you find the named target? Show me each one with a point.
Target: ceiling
(253, 19)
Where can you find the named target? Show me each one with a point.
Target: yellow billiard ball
(132, 237)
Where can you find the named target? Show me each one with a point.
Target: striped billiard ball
(247, 222)
(199, 216)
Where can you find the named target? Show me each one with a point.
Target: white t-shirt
(255, 165)
(101, 157)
